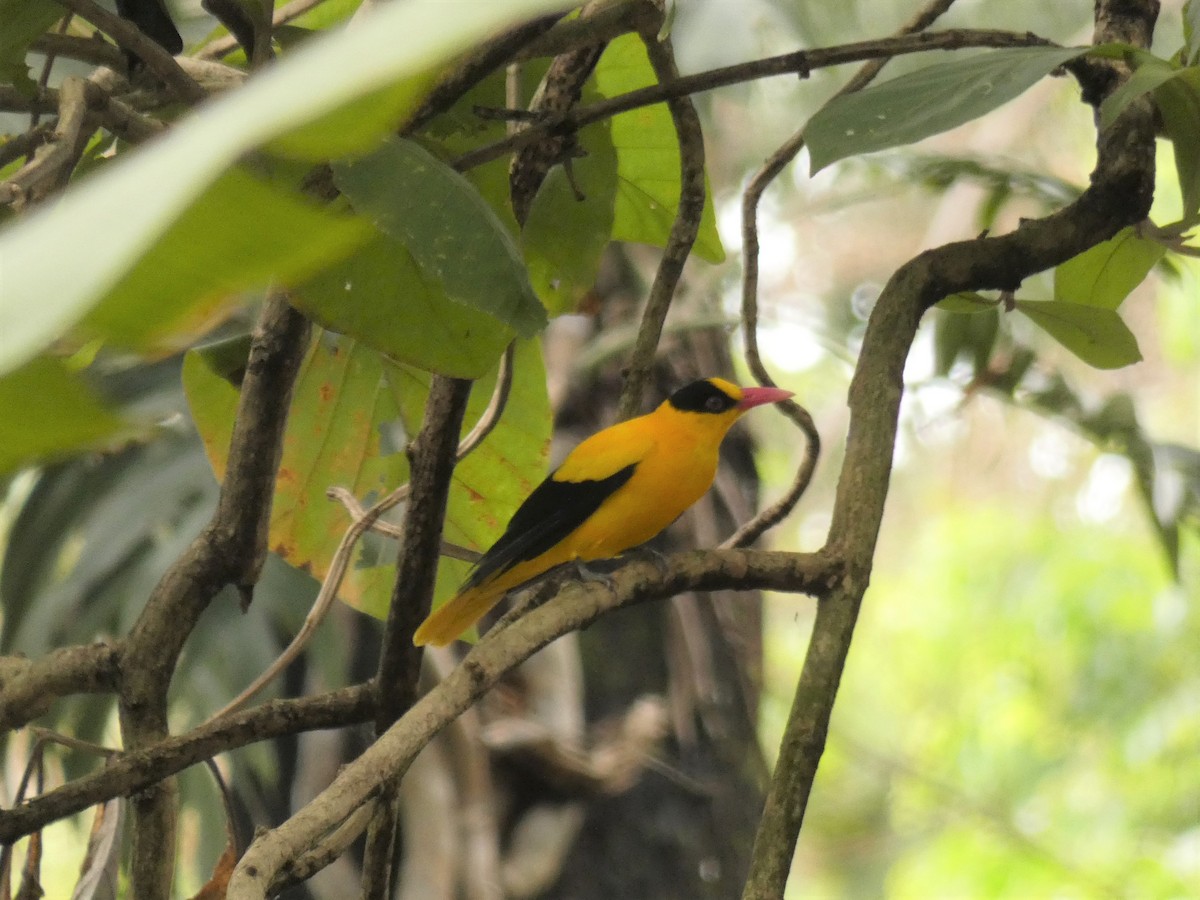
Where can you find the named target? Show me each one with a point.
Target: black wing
(549, 514)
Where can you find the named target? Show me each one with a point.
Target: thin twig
(749, 532)
(799, 63)
(48, 64)
(130, 38)
(684, 229)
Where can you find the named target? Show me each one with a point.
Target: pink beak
(757, 396)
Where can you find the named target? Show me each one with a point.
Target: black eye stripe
(702, 396)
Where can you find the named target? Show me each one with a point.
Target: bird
(617, 489)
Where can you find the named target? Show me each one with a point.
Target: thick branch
(28, 687)
(267, 861)
(1120, 194)
(431, 457)
(231, 549)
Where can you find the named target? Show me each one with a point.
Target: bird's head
(721, 399)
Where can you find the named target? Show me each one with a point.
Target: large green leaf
(379, 297)
(455, 238)
(647, 148)
(492, 481)
(46, 412)
(1095, 335)
(1104, 275)
(927, 102)
(565, 236)
(216, 249)
(113, 219)
(340, 410)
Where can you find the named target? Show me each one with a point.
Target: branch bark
(230, 550)
(432, 457)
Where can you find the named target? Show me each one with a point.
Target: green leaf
(23, 21)
(46, 412)
(1179, 102)
(379, 297)
(340, 409)
(927, 102)
(966, 302)
(564, 237)
(492, 481)
(456, 239)
(108, 232)
(1094, 334)
(1151, 72)
(647, 157)
(214, 250)
(1191, 31)
(1104, 275)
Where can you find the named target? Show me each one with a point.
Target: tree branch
(431, 458)
(134, 771)
(1120, 194)
(230, 550)
(684, 229)
(128, 37)
(267, 863)
(29, 687)
(799, 63)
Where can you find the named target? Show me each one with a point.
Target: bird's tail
(457, 614)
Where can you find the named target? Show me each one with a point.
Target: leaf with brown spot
(340, 408)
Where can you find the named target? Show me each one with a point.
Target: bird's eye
(715, 404)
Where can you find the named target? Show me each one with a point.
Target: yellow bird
(617, 489)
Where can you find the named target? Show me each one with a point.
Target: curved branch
(1119, 195)
(267, 862)
(230, 550)
(767, 173)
